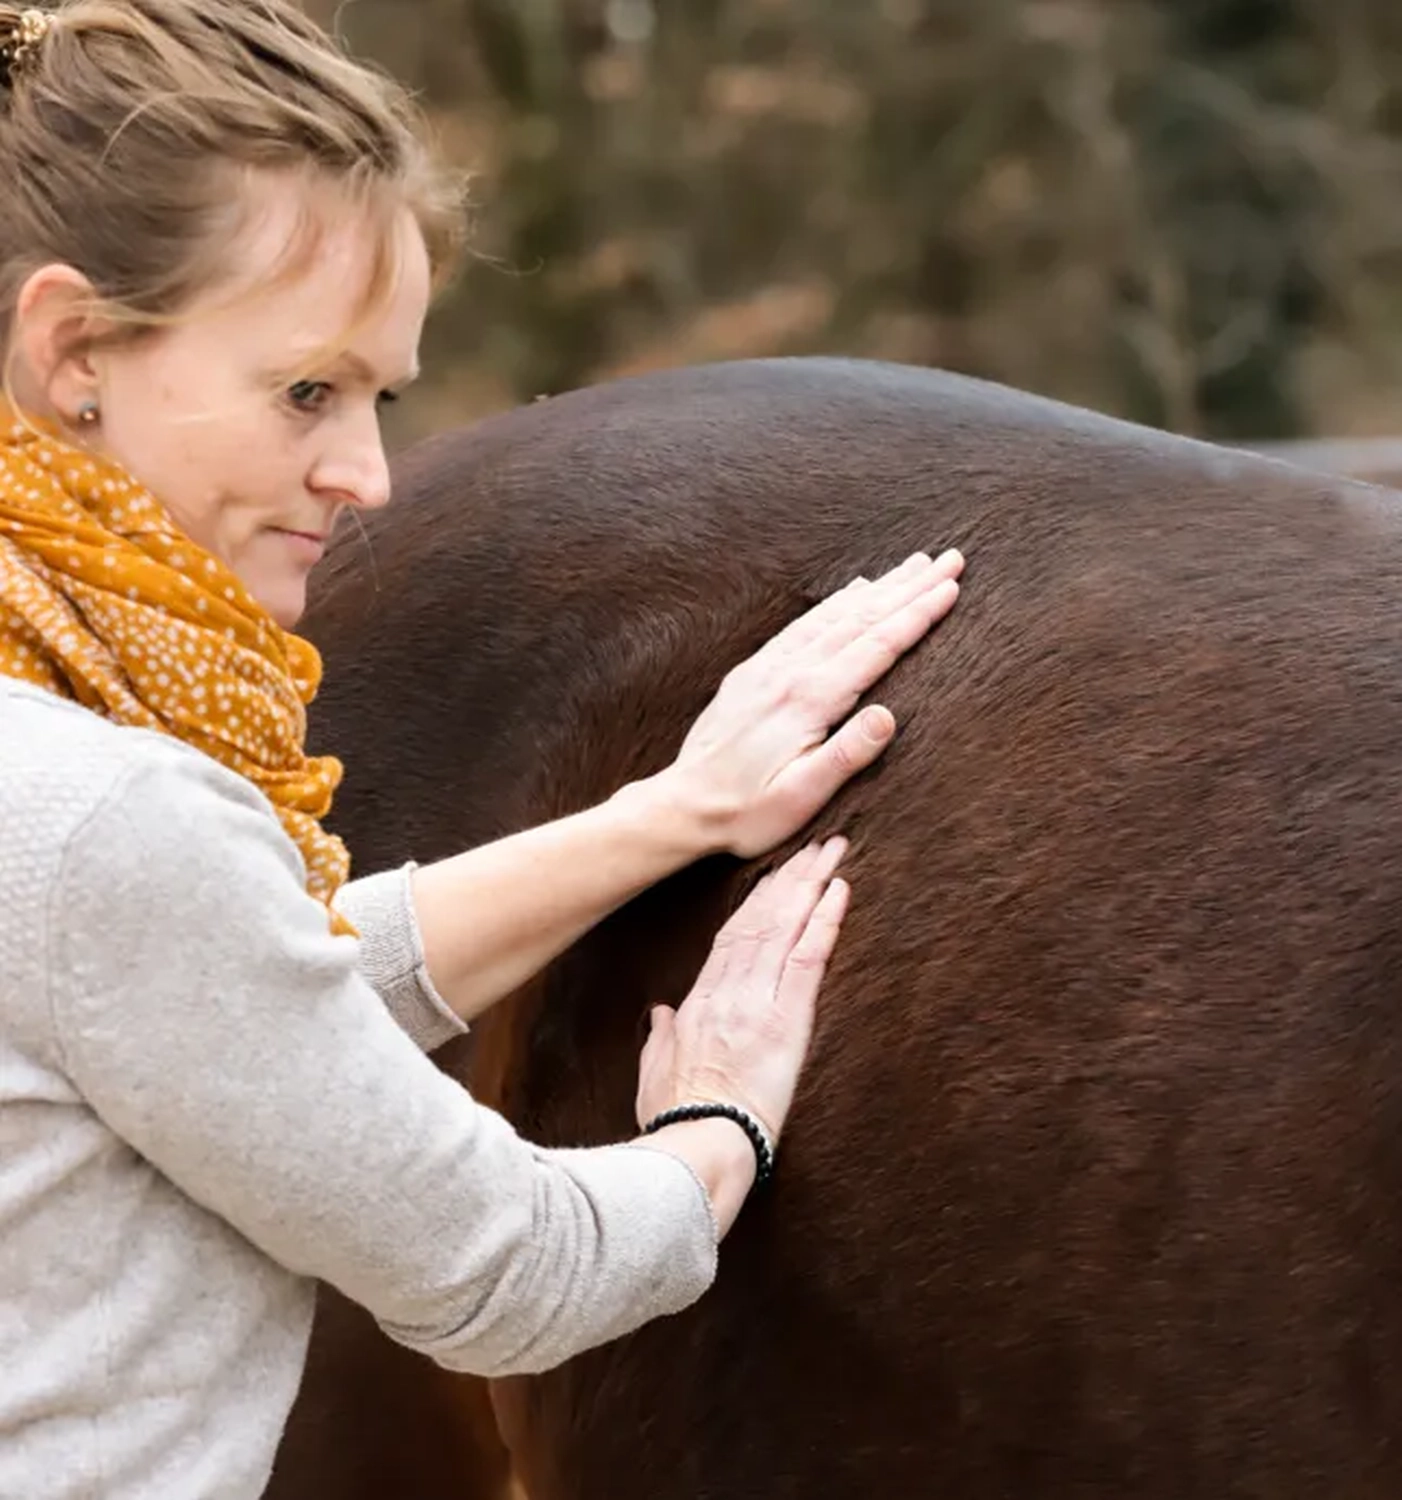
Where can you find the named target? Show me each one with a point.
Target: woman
(219, 241)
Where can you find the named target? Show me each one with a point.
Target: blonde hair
(126, 133)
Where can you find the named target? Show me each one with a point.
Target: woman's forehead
(304, 269)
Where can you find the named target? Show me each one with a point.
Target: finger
(727, 948)
(834, 689)
(884, 602)
(816, 863)
(901, 584)
(661, 1027)
(770, 918)
(874, 606)
(950, 562)
(868, 658)
(781, 901)
(657, 1065)
(798, 987)
(841, 603)
(663, 1034)
(766, 931)
(813, 864)
(814, 779)
(812, 622)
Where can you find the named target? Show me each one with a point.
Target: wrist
(761, 1142)
(671, 802)
(720, 1154)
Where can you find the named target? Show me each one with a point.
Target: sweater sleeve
(391, 956)
(210, 1018)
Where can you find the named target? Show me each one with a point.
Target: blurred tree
(1188, 212)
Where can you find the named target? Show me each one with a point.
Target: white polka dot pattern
(103, 600)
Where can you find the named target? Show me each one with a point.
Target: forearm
(494, 916)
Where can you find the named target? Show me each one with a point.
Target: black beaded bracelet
(759, 1137)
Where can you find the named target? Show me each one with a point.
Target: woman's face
(251, 462)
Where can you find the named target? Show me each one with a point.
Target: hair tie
(21, 43)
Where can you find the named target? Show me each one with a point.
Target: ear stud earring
(87, 414)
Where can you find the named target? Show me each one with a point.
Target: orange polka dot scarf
(104, 601)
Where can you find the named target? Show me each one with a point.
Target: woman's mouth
(307, 546)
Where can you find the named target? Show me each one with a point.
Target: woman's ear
(55, 324)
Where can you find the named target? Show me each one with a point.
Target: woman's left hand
(759, 762)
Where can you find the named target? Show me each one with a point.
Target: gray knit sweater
(206, 1100)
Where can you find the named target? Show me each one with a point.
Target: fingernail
(877, 723)
(950, 555)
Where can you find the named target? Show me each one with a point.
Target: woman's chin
(285, 599)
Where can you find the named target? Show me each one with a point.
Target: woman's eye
(309, 395)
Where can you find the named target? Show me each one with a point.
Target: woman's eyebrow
(363, 370)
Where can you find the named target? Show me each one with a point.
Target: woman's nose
(356, 469)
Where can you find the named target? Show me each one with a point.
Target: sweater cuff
(657, 1249)
(666, 1225)
(391, 956)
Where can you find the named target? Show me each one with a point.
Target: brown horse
(1094, 1184)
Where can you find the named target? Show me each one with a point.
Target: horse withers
(1093, 1187)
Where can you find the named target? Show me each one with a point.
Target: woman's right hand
(740, 1037)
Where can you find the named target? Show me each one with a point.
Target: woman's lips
(308, 546)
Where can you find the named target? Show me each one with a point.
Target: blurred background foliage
(1187, 212)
